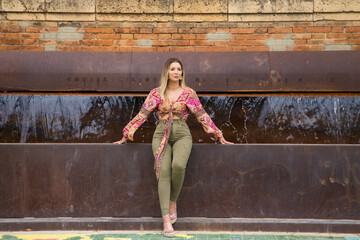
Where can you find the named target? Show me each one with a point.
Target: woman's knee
(178, 166)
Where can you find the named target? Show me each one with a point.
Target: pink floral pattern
(187, 101)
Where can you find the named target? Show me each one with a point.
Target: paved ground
(122, 235)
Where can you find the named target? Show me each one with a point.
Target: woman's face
(175, 71)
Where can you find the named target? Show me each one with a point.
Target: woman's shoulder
(155, 91)
(189, 90)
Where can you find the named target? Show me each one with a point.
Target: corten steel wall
(249, 181)
(275, 182)
(180, 25)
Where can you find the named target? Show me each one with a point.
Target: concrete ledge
(183, 224)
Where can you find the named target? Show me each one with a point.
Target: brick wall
(174, 25)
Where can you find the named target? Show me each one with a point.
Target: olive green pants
(173, 164)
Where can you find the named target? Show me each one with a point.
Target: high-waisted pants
(173, 164)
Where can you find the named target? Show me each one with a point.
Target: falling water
(69, 119)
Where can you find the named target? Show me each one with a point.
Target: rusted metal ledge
(205, 72)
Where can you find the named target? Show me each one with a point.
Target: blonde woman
(172, 141)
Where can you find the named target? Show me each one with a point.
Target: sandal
(168, 234)
(173, 217)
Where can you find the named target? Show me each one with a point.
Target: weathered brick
(163, 49)
(201, 43)
(162, 42)
(30, 35)
(125, 49)
(356, 35)
(164, 36)
(12, 41)
(91, 30)
(184, 30)
(239, 36)
(354, 41)
(242, 30)
(220, 49)
(127, 36)
(318, 36)
(146, 30)
(182, 42)
(257, 48)
(280, 30)
(125, 42)
(182, 49)
(352, 29)
(165, 30)
(338, 35)
(258, 36)
(298, 30)
(241, 43)
(32, 30)
(107, 48)
(318, 29)
(337, 29)
(183, 36)
(106, 30)
(139, 49)
(107, 42)
(146, 36)
(107, 36)
(203, 30)
(31, 42)
(12, 35)
(200, 36)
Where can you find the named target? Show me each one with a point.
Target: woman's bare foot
(173, 213)
(168, 228)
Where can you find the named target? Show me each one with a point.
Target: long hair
(165, 77)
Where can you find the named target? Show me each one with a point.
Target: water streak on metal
(61, 118)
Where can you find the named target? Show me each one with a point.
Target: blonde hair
(165, 77)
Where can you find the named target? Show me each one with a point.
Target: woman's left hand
(223, 141)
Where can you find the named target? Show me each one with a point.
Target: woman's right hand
(120, 141)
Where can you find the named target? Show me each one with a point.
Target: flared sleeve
(152, 101)
(194, 105)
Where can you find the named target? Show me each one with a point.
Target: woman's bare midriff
(167, 115)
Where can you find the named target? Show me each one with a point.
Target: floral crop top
(188, 100)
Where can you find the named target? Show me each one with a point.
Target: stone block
(336, 16)
(144, 43)
(50, 47)
(70, 17)
(336, 6)
(26, 16)
(23, 6)
(200, 17)
(209, 6)
(266, 6)
(262, 17)
(337, 47)
(141, 6)
(70, 6)
(133, 17)
(218, 36)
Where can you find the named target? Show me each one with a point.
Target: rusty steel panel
(239, 181)
(315, 71)
(64, 71)
(205, 71)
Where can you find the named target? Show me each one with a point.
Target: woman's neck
(173, 85)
